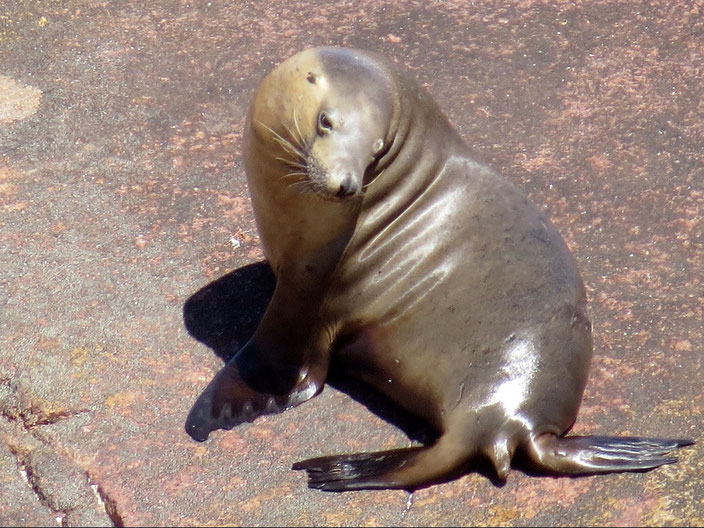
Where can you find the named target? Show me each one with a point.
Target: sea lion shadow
(225, 313)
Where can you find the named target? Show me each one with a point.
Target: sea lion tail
(583, 455)
(408, 468)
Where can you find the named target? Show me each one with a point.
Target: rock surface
(124, 214)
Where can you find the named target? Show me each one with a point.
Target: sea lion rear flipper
(581, 455)
(246, 388)
(409, 469)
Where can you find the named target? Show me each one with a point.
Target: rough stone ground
(122, 195)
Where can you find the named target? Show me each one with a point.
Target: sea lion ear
(312, 77)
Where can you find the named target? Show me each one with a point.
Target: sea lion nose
(348, 186)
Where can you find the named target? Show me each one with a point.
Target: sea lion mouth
(329, 185)
(307, 175)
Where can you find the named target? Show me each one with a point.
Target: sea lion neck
(421, 141)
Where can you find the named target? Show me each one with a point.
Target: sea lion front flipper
(583, 455)
(409, 468)
(247, 387)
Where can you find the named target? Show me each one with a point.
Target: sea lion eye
(324, 123)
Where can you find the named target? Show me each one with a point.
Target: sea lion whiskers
(291, 148)
(293, 178)
(295, 169)
(298, 165)
(304, 174)
(297, 143)
(300, 139)
(292, 163)
(306, 184)
(307, 187)
(297, 146)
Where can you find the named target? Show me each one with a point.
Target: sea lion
(421, 272)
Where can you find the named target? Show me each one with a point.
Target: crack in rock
(60, 484)
(17, 405)
(108, 503)
(29, 476)
(63, 487)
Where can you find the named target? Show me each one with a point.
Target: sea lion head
(324, 117)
